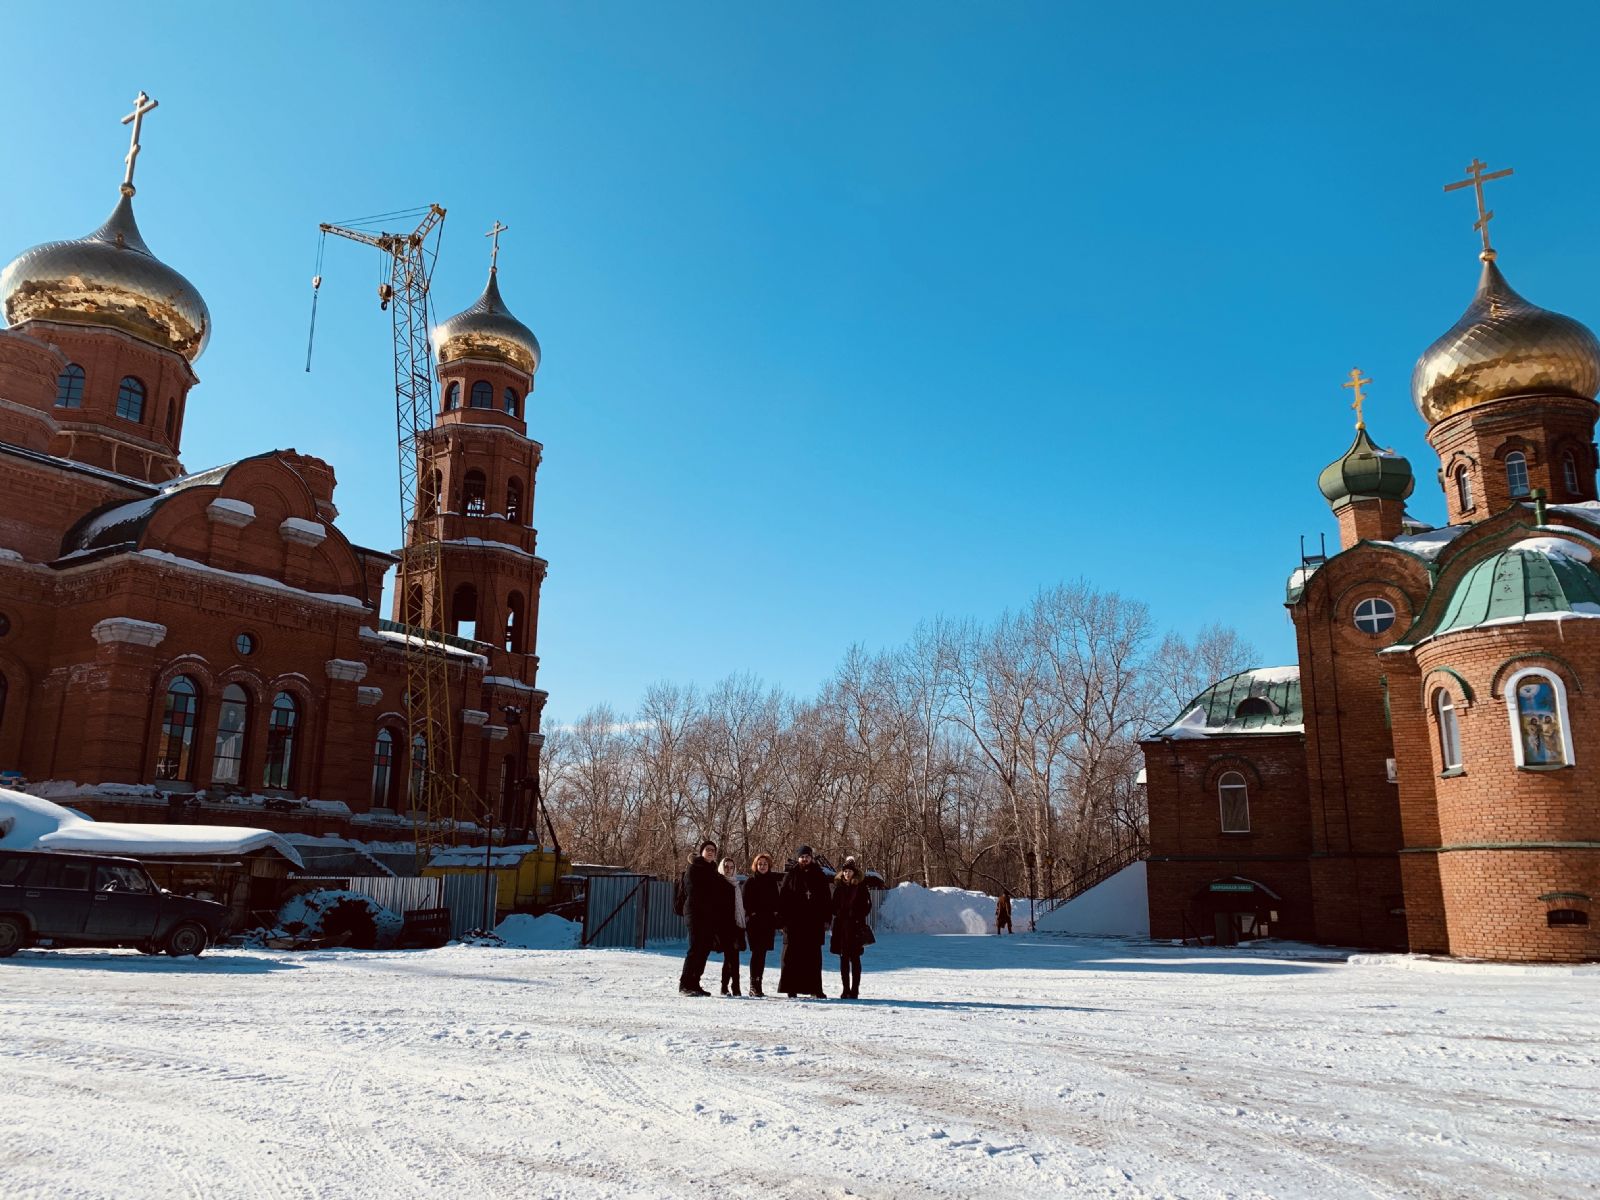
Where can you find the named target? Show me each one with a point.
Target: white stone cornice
(473, 716)
(230, 512)
(129, 631)
(302, 532)
(494, 733)
(368, 696)
(346, 670)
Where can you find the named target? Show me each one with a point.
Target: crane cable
(316, 291)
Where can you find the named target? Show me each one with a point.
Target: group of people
(727, 915)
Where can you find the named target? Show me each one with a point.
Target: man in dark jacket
(703, 908)
(807, 907)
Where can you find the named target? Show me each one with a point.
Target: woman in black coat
(760, 917)
(806, 908)
(851, 933)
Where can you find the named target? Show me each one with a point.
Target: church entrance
(1233, 910)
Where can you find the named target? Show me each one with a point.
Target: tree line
(978, 754)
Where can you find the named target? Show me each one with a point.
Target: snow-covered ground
(975, 1067)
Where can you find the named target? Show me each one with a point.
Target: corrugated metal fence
(461, 894)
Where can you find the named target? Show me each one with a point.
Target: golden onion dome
(108, 279)
(487, 330)
(1504, 346)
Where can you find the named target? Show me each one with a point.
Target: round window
(245, 644)
(5, 624)
(1374, 615)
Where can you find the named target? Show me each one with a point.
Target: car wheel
(12, 935)
(187, 940)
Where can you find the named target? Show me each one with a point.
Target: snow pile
(1118, 906)
(912, 908)
(348, 918)
(520, 931)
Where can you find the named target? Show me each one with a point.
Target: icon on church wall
(1540, 722)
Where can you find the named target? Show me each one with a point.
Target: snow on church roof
(1260, 700)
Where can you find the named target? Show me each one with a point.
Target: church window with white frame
(1517, 473)
(1444, 712)
(1536, 703)
(1233, 795)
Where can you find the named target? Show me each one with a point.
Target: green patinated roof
(1536, 575)
(1215, 712)
(1366, 470)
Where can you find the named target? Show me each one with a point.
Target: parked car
(58, 899)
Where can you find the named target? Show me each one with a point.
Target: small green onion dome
(1533, 577)
(1366, 471)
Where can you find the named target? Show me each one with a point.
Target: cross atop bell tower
(494, 254)
(141, 105)
(1476, 179)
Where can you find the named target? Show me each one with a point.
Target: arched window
(175, 753)
(130, 399)
(508, 788)
(172, 410)
(1253, 706)
(1234, 796)
(452, 397)
(428, 502)
(1517, 473)
(419, 769)
(233, 718)
(514, 501)
(4, 688)
(513, 638)
(1444, 711)
(513, 401)
(69, 387)
(483, 394)
(1464, 489)
(464, 612)
(279, 769)
(1569, 473)
(474, 489)
(382, 769)
(1536, 701)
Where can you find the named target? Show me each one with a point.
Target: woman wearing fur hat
(806, 908)
(851, 932)
(760, 897)
(730, 938)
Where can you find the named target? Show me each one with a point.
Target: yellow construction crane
(439, 796)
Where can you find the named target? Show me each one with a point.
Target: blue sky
(852, 315)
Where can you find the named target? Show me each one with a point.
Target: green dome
(1536, 575)
(1366, 471)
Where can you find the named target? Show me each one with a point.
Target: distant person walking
(732, 921)
(851, 932)
(703, 892)
(760, 899)
(807, 908)
(1002, 912)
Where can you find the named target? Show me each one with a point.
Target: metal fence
(461, 894)
(661, 924)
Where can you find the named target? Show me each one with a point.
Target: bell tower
(478, 472)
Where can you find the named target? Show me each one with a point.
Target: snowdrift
(548, 932)
(1119, 906)
(31, 823)
(912, 908)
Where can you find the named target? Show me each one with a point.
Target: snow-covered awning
(30, 823)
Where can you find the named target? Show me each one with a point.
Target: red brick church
(213, 631)
(1427, 775)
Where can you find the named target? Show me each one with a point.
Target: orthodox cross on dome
(1475, 180)
(136, 118)
(1356, 383)
(494, 254)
